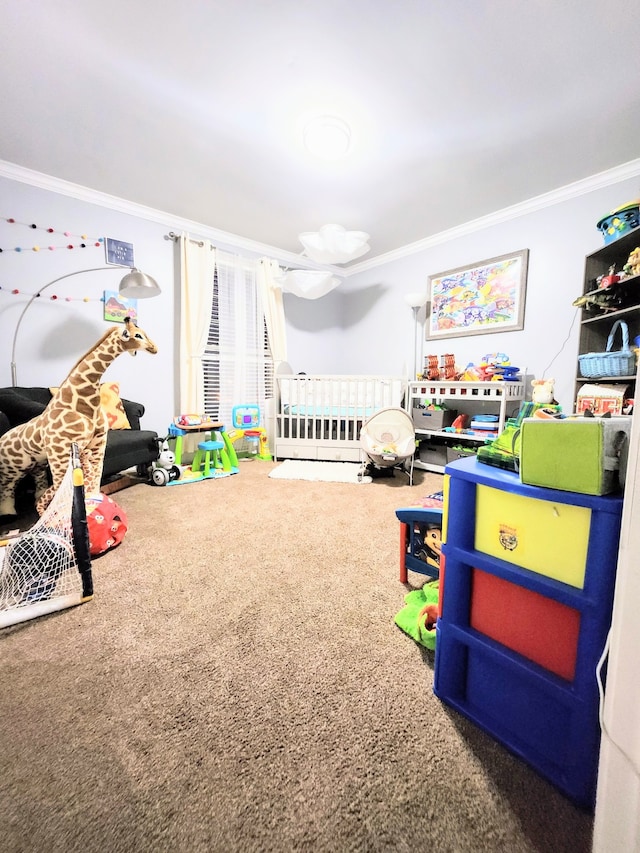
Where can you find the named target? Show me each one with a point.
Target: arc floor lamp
(135, 285)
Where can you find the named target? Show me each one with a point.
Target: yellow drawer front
(542, 536)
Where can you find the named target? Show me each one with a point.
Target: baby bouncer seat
(388, 440)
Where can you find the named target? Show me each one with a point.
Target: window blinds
(238, 366)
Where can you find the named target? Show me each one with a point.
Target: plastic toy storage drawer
(528, 592)
(543, 631)
(531, 714)
(543, 536)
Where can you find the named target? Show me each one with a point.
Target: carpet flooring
(238, 684)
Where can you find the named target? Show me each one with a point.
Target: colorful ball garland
(98, 241)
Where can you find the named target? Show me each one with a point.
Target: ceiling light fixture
(333, 244)
(308, 284)
(327, 137)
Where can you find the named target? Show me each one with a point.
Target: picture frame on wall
(482, 298)
(117, 307)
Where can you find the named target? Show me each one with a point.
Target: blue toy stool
(210, 451)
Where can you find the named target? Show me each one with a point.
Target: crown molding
(565, 193)
(195, 229)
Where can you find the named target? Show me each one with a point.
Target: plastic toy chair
(212, 454)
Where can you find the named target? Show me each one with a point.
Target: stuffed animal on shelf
(542, 391)
(632, 267)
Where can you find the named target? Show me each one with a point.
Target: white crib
(320, 416)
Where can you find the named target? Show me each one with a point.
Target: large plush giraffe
(73, 415)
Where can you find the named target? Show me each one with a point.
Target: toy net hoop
(48, 567)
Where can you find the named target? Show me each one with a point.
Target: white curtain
(240, 363)
(197, 269)
(270, 291)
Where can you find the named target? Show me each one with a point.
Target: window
(238, 365)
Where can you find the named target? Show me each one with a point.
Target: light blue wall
(377, 323)
(54, 334)
(365, 326)
(315, 333)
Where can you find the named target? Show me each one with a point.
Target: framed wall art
(481, 298)
(117, 307)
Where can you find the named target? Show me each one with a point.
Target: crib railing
(320, 416)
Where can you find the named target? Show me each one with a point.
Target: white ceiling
(458, 108)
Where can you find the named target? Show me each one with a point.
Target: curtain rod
(176, 237)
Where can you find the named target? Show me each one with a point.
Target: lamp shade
(308, 284)
(416, 299)
(135, 284)
(138, 285)
(333, 244)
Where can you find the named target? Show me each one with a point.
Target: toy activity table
(224, 447)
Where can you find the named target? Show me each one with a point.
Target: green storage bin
(586, 455)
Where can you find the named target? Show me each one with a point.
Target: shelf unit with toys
(611, 292)
(479, 398)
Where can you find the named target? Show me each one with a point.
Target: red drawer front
(541, 629)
